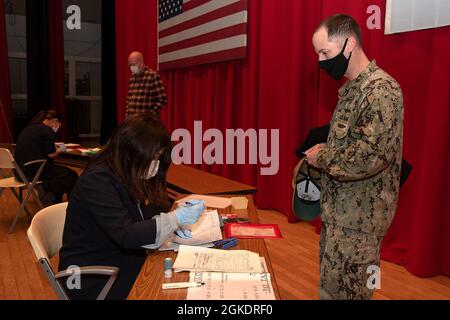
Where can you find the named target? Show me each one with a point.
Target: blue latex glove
(189, 212)
(184, 234)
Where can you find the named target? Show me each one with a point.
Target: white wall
(411, 15)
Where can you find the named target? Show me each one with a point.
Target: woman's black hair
(129, 152)
(46, 115)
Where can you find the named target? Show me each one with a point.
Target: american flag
(194, 32)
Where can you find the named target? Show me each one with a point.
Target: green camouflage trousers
(345, 256)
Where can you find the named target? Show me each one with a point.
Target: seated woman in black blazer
(110, 221)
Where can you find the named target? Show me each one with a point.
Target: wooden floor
(294, 259)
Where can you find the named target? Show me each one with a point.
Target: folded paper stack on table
(214, 260)
(169, 245)
(232, 286)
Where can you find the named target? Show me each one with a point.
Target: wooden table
(148, 285)
(181, 179)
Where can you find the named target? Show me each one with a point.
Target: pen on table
(226, 243)
(230, 244)
(223, 241)
(182, 285)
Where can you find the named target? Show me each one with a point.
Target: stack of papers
(169, 245)
(232, 286)
(214, 260)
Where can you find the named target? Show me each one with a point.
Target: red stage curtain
(261, 92)
(278, 87)
(5, 93)
(135, 30)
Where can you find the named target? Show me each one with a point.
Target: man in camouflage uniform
(360, 162)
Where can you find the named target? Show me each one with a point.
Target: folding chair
(7, 162)
(45, 235)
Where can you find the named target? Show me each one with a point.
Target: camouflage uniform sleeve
(373, 141)
(158, 92)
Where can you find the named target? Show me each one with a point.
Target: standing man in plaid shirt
(146, 91)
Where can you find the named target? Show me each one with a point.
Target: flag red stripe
(226, 55)
(193, 4)
(211, 16)
(205, 38)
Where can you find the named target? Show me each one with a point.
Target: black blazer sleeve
(48, 142)
(109, 209)
(151, 210)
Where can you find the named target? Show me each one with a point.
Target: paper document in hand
(204, 259)
(232, 286)
(210, 201)
(206, 230)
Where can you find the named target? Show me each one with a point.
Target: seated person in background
(37, 142)
(109, 219)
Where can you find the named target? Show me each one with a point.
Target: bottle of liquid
(168, 268)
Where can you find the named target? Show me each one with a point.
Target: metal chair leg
(19, 198)
(22, 207)
(36, 198)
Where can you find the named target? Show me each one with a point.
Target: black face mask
(336, 67)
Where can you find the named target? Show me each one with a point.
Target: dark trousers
(55, 179)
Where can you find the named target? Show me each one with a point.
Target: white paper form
(232, 286)
(198, 259)
(172, 246)
(206, 230)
